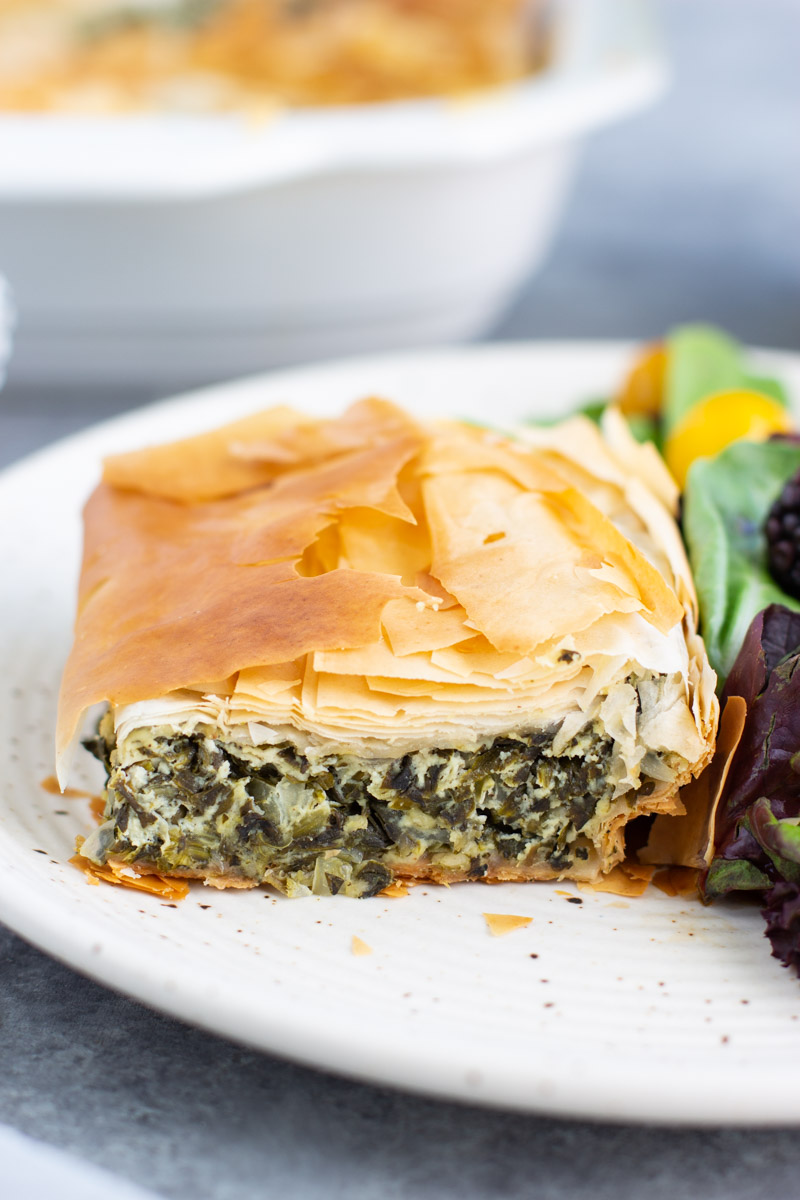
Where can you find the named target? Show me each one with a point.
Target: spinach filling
(332, 823)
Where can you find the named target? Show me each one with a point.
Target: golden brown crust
(178, 589)
(419, 872)
(175, 593)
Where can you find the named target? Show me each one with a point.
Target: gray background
(690, 211)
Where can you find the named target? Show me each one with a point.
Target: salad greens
(727, 496)
(702, 360)
(725, 506)
(751, 629)
(750, 626)
(757, 829)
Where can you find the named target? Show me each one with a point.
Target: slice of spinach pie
(336, 653)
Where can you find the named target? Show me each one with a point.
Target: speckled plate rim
(594, 1070)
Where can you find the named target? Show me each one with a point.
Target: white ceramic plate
(654, 1009)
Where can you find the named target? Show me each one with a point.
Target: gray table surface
(690, 211)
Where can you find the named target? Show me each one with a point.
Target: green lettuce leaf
(768, 387)
(725, 505)
(703, 360)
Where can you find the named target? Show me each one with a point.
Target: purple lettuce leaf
(757, 829)
(781, 912)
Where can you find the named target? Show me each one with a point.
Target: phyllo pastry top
(384, 584)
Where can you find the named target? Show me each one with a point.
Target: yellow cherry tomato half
(720, 419)
(642, 393)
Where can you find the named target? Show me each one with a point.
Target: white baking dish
(167, 249)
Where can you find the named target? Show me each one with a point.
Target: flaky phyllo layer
(339, 651)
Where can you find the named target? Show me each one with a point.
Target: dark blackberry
(782, 530)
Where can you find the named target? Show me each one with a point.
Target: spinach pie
(333, 654)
